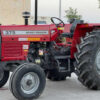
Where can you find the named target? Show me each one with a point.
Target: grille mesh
(12, 50)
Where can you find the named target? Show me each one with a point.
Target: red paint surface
(12, 48)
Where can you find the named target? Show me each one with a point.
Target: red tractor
(57, 49)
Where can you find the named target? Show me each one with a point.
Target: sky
(89, 9)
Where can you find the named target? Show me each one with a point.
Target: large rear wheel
(88, 60)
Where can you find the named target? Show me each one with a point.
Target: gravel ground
(70, 89)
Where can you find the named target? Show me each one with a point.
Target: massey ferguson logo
(11, 32)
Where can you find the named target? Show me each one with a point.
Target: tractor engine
(50, 56)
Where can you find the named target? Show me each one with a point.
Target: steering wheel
(60, 22)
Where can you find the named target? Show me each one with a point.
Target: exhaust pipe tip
(26, 16)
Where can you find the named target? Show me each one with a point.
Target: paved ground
(70, 89)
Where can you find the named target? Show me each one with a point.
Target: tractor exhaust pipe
(36, 12)
(26, 16)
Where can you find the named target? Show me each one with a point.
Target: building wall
(11, 11)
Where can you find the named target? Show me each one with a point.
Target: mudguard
(80, 31)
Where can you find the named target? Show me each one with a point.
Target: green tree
(72, 14)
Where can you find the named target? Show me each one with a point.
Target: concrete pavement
(70, 89)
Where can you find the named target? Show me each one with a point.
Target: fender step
(62, 57)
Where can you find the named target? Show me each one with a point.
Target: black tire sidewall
(17, 79)
(85, 61)
(93, 58)
(5, 78)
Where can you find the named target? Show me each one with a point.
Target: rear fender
(81, 31)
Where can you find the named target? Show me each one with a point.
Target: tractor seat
(72, 29)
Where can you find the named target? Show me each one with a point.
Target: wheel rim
(1, 74)
(30, 83)
(97, 61)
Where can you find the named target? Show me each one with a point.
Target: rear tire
(87, 68)
(27, 82)
(4, 75)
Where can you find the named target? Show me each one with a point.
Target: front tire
(88, 60)
(27, 82)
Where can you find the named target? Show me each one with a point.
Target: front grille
(12, 50)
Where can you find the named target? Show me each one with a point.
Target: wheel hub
(30, 83)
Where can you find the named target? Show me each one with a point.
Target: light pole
(36, 12)
(60, 8)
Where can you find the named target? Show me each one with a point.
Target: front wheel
(27, 82)
(88, 60)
